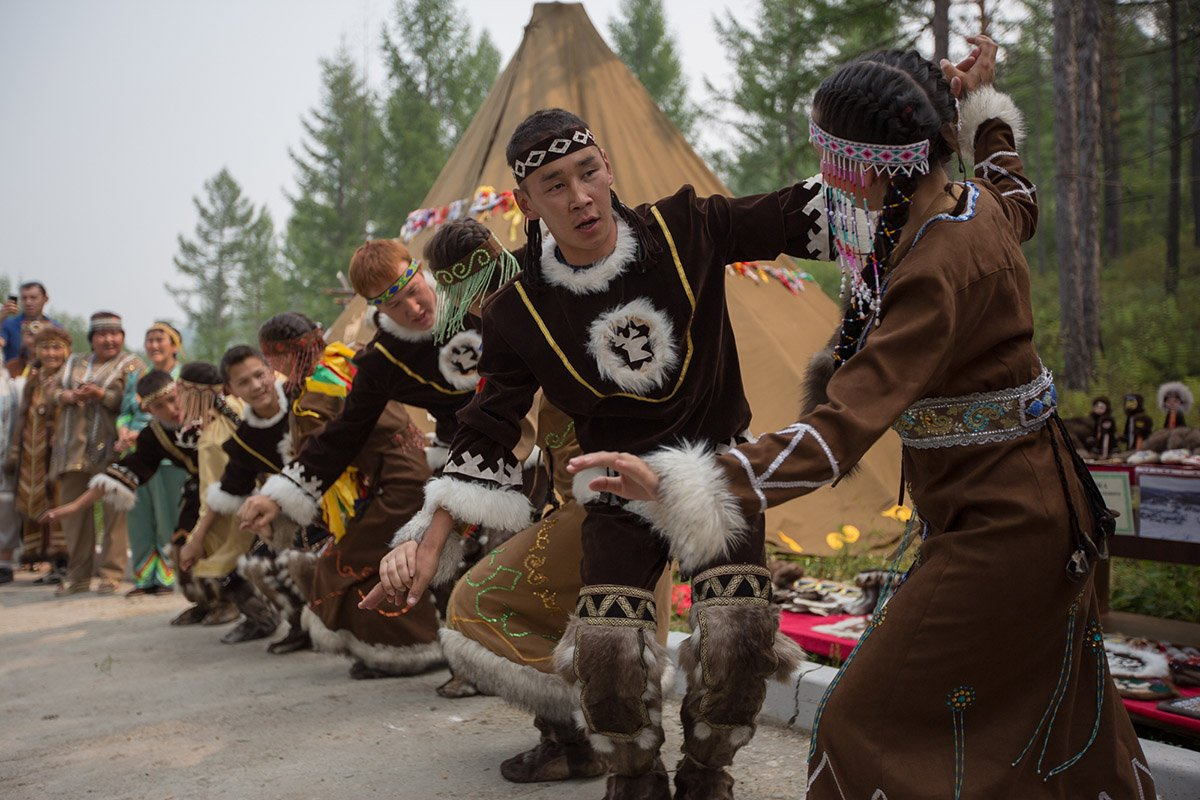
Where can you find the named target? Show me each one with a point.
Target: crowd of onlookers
(64, 417)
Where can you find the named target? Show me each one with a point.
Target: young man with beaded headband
(377, 487)
(984, 674)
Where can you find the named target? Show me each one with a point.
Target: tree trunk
(1110, 131)
(1175, 133)
(1088, 187)
(1033, 144)
(1196, 152)
(1076, 370)
(941, 29)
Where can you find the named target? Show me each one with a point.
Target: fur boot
(290, 576)
(191, 588)
(734, 648)
(260, 619)
(563, 753)
(609, 655)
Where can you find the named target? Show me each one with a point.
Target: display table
(800, 628)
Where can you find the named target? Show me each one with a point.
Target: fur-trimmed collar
(595, 278)
(255, 421)
(393, 328)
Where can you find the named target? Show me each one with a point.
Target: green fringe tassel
(455, 301)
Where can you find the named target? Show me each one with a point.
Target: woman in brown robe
(984, 675)
(29, 455)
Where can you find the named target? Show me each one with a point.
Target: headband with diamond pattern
(550, 149)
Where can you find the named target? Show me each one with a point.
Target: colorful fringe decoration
(792, 279)
(485, 204)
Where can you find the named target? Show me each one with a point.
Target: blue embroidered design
(959, 700)
(968, 213)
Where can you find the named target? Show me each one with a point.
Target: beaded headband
(846, 156)
(105, 323)
(550, 149)
(169, 330)
(158, 395)
(414, 266)
(466, 281)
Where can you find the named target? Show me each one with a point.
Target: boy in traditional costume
(984, 675)
(378, 488)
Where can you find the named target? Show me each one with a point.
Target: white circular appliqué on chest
(634, 346)
(458, 360)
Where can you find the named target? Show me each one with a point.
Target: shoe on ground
(221, 614)
(65, 588)
(6, 575)
(107, 587)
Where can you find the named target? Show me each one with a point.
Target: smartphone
(12, 298)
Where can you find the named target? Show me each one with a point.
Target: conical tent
(563, 62)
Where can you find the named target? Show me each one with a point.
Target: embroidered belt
(980, 418)
(619, 606)
(732, 585)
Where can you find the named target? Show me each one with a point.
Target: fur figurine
(1138, 424)
(1101, 440)
(1175, 400)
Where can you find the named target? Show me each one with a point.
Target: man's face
(572, 196)
(33, 300)
(52, 354)
(413, 307)
(160, 349)
(253, 382)
(167, 409)
(108, 344)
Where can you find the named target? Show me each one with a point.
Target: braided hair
(453, 241)
(295, 339)
(886, 97)
(544, 124)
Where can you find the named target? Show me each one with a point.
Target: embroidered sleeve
(120, 481)
(237, 482)
(761, 227)
(990, 134)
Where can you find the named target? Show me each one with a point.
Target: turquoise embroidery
(959, 700)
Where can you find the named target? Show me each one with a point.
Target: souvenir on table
(1138, 424)
(1175, 400)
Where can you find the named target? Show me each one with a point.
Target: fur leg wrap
(544, 694)
(410, 659)
(615, 667)
(734, 648)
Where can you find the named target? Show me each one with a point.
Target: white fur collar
(255, 421)
(390, 326)
(593, 279)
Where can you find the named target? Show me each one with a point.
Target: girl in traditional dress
(984, 675)
(29, 456)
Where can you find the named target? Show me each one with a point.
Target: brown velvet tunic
(391, 473)
(983, 677)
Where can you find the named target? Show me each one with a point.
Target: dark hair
(236, 355)
(153, 381)
(453, 241)
(201, 372)
(885, 97)
(31, 284)
(285, 326)
(543, 124)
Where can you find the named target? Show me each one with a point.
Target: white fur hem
(594, 278)
(1126, 661)
(293, 500)
(540, 693)
(389, 325)
(696, 512)
(116, 494)
(414, 531)
(475, 503)
(222, 501)
(981, 105)
(407, 660)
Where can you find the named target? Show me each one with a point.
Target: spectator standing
(88, 398)
(21, 325)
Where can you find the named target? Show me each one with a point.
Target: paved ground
(99, 697)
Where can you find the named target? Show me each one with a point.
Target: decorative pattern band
(980, 418)
(732, 585)
(619, 606)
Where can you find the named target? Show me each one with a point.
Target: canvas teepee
(562, 61)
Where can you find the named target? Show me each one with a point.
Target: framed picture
(1117, 487)
(1170, 508)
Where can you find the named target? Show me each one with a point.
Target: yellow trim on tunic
(417, 377)
(687, 358)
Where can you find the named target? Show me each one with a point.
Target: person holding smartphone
(21, 323)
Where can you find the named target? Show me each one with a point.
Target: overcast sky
(115, 112)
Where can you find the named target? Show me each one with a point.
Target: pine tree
(438, 74)
(640, 38)
(214, 264)
(262, 291)
(339, 174)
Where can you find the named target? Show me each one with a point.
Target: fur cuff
(409, 659)
(477, 504)
(414, 531)
(541, 693)
(116, 493)
(696, 512)
(222, 501)
(981, 105)
(292, 500)
(435, 456)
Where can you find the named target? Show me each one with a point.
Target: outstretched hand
(409, 568)
(977, 69)
(634, 479)
(257, 513)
